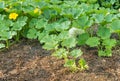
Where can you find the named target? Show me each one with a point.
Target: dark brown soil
(27, 61)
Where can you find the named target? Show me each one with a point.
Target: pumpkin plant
(64, 26)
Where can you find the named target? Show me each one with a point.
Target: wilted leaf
(70, 63)
(60, 53)
(76, 53)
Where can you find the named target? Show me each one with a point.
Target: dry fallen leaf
(14, 71)
(1, 74)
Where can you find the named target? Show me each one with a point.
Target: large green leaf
(82, 22)
(41, 23)
(41, 35)
(99, 18)
(5, 35)
(106, 52)
(18, 25)
(50, 42)
(110, 17)
(72, 12)
(51, 27)
(63, 35)
(104, 32)
(109, 43)
(49, 13)
(69, 43)
(3, 27)
(73, 32)
(32, 22)
(93, 41)
(115, 25)
(49, 39)
(45, 38)
(81, 40)
(63, 26)
(32, 33)
(51, 45)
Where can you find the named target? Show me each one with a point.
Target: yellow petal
(36, 10)
(13, 16)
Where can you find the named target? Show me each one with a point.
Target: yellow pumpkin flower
(13, 16)
(36, 10)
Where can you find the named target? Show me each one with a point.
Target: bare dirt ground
(27, 61)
